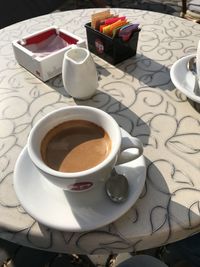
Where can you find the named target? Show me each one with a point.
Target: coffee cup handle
(131, 148)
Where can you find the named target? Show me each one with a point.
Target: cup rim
(42, 166)
(77, 48)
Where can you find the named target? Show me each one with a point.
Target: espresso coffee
(75, 145)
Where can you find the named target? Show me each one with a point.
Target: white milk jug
(79, 73)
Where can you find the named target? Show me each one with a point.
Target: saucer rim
(59, 226)
(177, 82)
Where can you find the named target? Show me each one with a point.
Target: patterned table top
(139, 94)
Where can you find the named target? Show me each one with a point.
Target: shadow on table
(195, 105)
(126, 118)
(165, 209)
(138, 69)
(144, 70)
(159, 210)
(151, 74)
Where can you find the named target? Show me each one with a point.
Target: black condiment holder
(113, 50)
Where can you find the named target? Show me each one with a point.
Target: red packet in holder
(113, 20)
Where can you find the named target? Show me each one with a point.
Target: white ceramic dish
(69, 211)
(183, 79)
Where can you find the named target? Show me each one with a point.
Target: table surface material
(139, 94)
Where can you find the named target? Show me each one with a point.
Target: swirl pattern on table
(139, 94)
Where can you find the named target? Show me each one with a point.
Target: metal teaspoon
(191, 65)
(117, 187)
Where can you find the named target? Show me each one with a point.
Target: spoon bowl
(117, 187)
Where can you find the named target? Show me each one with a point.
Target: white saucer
(69, 211)
(183, 79)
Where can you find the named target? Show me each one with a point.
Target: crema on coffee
(75, 146)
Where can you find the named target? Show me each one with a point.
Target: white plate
(183, 79)
(69, 211)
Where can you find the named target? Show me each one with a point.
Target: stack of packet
(113, 25)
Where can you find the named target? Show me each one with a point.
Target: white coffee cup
(86, 179)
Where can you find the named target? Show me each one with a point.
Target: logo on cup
(80, 186)
(99, 46)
